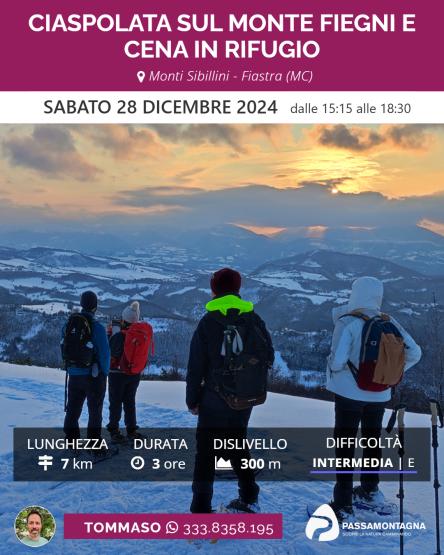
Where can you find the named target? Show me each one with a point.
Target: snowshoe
(103, 454)
(373, 501)
(239, 506)
(343, 514)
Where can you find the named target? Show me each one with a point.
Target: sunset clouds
(259, 176)
(51, 151)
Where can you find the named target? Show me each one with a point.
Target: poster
(221, 277)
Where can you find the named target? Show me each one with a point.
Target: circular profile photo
(34, 526)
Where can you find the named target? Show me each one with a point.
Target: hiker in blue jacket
(87, 373)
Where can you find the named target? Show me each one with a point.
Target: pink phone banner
(200, 45)
(161, 526)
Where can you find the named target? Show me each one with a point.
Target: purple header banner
(389, 45)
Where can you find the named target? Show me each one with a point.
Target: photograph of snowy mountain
(148, 213)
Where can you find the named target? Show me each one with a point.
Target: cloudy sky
(264, 177)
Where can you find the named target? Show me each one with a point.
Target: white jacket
(366, 297)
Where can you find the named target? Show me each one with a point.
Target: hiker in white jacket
(353, 405)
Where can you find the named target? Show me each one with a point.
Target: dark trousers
(79, 389)
(348, 415)
(218, 420)
(122, 390)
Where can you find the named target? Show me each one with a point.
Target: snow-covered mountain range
(40, 275)
(408, 245)
(294, 295)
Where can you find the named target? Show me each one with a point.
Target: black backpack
(77, 347)
(242, 381)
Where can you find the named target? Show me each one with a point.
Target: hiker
(361, 390)
(86, 354)
(217, 394)
(129, 346)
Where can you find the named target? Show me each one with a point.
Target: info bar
(222, 107)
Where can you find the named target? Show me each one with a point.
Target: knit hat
(225, 281)
(88, 301)
(131, 314)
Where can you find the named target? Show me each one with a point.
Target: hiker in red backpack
(130, 348)
(369, 353)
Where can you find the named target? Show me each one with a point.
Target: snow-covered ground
(159, 324)
(48, 308)
(32, 396)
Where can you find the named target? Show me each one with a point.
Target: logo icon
(172, 527)
(222, 464)
(323, 517)
(45, 461)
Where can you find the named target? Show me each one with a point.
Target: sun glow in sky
(436, 227)
(154, 170)
(262, 230)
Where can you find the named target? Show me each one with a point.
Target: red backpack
(137, 344)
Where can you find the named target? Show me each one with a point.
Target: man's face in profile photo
(34, 524)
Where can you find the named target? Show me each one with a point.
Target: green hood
(223, 304)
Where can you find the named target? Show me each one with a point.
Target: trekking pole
(398, 412)
(66, 386)
(401, 411)
(436, 412)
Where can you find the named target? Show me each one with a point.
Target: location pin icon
(141, 76)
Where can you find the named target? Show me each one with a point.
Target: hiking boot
(117, 437)
(372, 499)
(343, 514)
(239, 506)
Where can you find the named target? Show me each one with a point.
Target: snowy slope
(32, 396)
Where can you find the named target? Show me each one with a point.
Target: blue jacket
(101, 349)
